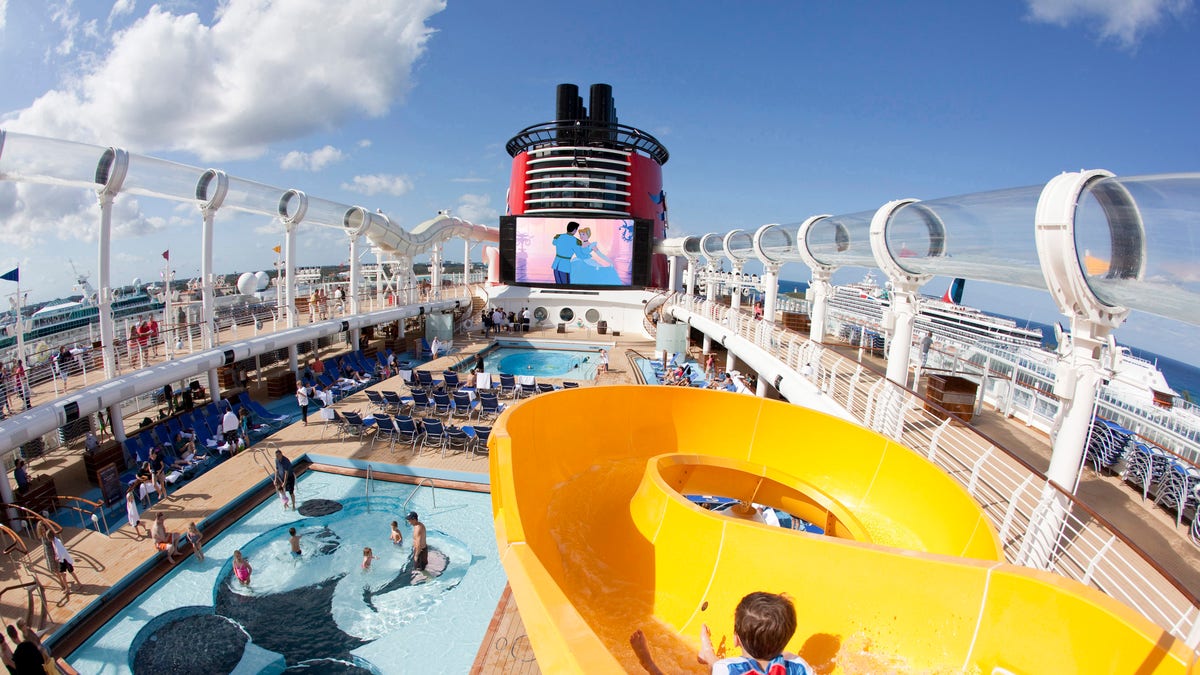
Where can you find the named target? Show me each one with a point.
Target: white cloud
(476, 209)
(470, 179)
(3, 13)
(379, 183)
(1124, 21)
(33, 215)
(230, 89)
(364, 143)
(120, 8)
(311, 161)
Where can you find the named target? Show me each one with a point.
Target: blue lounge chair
(384, 428)
(407, 431)
(442, 405)
(433, 434)
(480, 445)
(463, 405)
(508, 385)
(456, 440)
(352, 425)
(489, 405)
(421, 402)
(450, 378)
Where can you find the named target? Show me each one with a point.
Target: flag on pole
(277, 249)
(167, 254)
(14, 275)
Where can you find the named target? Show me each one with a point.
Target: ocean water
(1183, 377)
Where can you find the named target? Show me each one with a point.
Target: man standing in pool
(420, 550)
(286, 476)
(566, 246)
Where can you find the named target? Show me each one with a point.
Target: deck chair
(463, 405)
(480, 446)
(425, 351)
(545, 387)
(489, 405)
(442, 405)
(456, 440)
(433, 434)
(334, 420)
(508, 385)
(384, 428)
(377, 401)
(527, 391)
(421, 402)
(395, 404)
(162, 435)
(425, 380)
(450, 378)
(569, 384)
(352, 425)
(257, 410)
(406, 431)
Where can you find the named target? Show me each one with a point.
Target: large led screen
(557, 251)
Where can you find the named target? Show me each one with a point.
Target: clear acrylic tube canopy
(984, 236)
(34, 159)
(842, 241)
(712, 246)
(777, 243)
(739, 245)
(160, 178)
(247, 195)
(1137, 240)
(324, 212)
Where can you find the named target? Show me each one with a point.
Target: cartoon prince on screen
(566, 247)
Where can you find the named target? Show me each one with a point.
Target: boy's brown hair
(764, 622)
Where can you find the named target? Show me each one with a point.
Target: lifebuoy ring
(468, 324)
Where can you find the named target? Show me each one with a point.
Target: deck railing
(1021, 503)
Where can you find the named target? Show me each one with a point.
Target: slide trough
(598, 538)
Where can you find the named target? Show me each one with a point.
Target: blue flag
(12, 276)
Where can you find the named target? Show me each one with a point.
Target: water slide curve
(598, 539)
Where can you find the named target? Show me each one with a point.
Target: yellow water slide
(598, 539)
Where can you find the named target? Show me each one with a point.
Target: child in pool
(193, 535)
(294, 540)
(397, 535)
(241, 568)
(368, 556)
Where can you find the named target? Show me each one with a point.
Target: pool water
(319, 612)
(571, 364)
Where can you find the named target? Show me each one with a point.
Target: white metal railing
(1018, 500)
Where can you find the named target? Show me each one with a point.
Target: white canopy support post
(905, 300)
(1080, 370)
(111, 172)
(819, 287)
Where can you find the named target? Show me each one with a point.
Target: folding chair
(433, 434)
(489, 405)
(456, 439)
(442, 403)
(482, 434)
(463, 405)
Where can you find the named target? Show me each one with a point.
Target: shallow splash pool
(543, 359)
(319, 612)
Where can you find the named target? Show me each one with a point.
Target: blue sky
(772, 111)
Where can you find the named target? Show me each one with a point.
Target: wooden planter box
(955, 394)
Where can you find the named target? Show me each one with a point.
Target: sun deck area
(103, 562)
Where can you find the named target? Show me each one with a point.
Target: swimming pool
(319, 612)
(543, 359)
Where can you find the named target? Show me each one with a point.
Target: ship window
(566, 314)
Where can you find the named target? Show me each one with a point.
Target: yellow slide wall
(598, 540)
